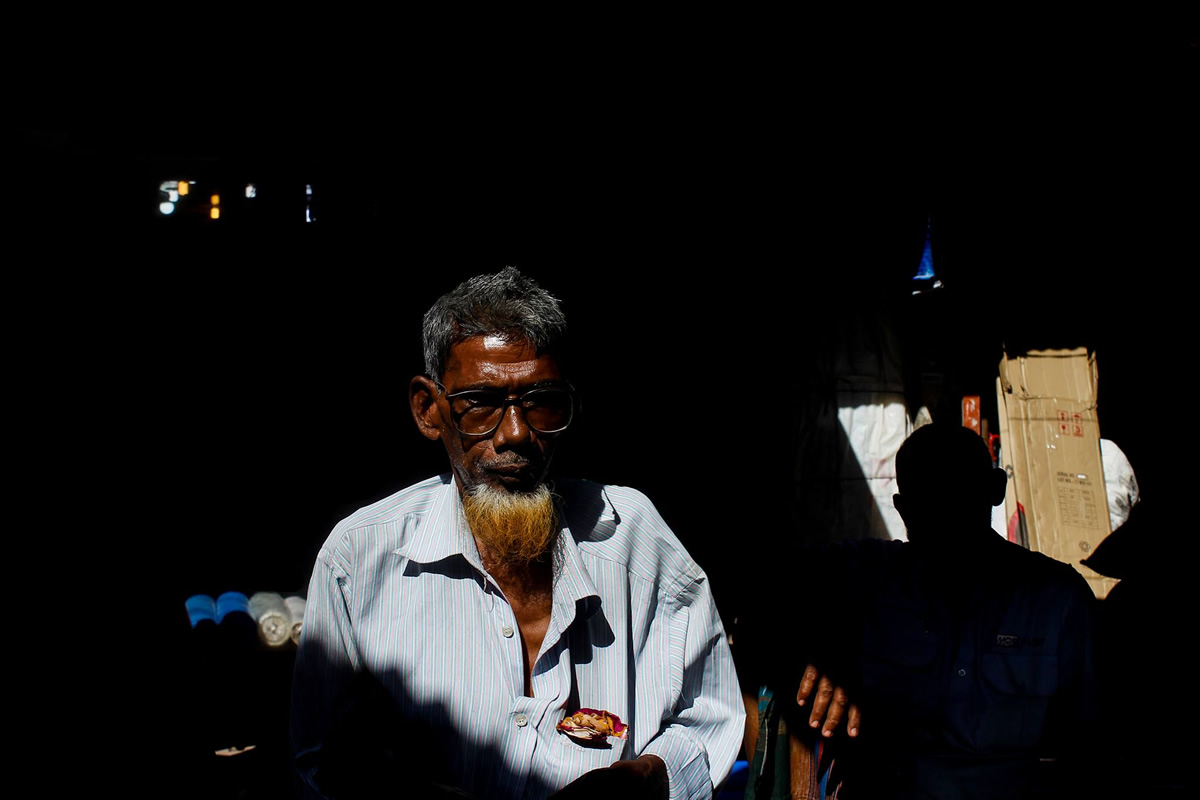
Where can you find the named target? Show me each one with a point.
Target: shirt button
(508, 631)
(962, 673)
(521, 720)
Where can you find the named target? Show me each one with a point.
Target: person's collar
(575, 595)
(573, 582)
(442, 532)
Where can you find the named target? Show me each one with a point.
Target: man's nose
(514, 431)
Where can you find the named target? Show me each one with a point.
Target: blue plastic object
(231, 602)
(201, 607)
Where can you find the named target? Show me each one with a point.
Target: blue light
(925, 270)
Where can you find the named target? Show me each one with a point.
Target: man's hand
(645, 777)
(829, 703)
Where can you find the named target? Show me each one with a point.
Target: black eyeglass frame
(512, 401)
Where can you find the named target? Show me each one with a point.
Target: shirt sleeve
(327, 661)
(702, 737)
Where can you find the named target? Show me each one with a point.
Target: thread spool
(295, 606)
(269, 612)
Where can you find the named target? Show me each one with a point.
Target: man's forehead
(513, 368)
(495, 340)
(480, 358)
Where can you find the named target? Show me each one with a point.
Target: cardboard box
(1050, 447)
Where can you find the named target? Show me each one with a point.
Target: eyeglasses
(478, 412)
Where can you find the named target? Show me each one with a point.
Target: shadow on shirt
(370, 750)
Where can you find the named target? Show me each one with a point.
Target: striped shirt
(399, 593)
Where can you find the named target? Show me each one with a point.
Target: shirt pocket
(900, 663)
(572, 759)
(1019, 687)
(1021, 674)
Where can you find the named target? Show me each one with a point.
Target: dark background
(196, 403)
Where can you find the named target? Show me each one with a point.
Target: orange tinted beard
(516, 527)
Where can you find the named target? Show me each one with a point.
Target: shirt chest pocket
(900, 661)
(1020, 674)
(1019, 688)
(571, 759)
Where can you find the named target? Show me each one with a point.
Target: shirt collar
(442, 533)
(573, 583)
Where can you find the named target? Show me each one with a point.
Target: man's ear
(997, 486)
(422, 399)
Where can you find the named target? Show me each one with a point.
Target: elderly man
(453, 627)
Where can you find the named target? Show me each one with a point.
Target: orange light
(215, 213)
(216, 200)
(183, 188)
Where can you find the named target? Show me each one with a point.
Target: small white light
(166, 208)
(251, 190)
(173, 195)
(308, 189)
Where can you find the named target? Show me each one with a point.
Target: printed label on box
(1077, 500)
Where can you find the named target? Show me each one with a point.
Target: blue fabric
(201, 607)
(230, 602)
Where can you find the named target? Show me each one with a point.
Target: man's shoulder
(595, 511)
(382, 524)
(604, 498)
(412, 500)
(1042, 571)
(621, 524)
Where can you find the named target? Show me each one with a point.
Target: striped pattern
(398, 590)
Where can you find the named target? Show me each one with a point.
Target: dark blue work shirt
(970, 672)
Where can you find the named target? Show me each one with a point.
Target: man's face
(514, 457)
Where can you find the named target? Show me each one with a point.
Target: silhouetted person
(975, 653)
(970, 656)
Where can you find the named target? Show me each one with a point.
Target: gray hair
(506, 304)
